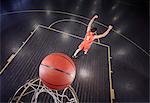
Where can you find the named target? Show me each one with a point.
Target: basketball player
(90, 37)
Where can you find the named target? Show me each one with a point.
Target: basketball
(57, 71)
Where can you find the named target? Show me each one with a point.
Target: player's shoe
(85, 53)
(74, 57)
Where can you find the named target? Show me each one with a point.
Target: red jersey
(89, 38)
(87, 42)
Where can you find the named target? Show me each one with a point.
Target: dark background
(130, 65)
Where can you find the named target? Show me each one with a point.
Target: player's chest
(88, 37)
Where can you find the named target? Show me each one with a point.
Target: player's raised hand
(110, 26)
(96, 16)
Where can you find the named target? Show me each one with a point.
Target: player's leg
(76, 52)
(86, 48)
(85, 52)
(81, 46)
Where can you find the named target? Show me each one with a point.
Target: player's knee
(79, 49)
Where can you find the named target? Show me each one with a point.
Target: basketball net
(35, 87)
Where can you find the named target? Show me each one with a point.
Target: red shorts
(85, 46)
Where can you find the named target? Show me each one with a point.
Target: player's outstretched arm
(90, 23)
(104, 34)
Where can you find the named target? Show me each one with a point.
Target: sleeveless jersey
(89, 38)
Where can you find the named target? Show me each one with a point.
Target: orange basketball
(57, 71)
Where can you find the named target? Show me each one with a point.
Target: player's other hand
(110, 26)
(96, 16)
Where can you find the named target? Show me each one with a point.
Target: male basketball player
(90, 37)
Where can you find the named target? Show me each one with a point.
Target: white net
(34, 91)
